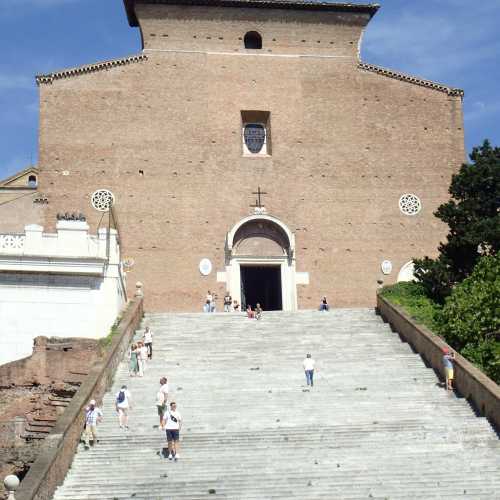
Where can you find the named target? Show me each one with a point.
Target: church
(247, 148)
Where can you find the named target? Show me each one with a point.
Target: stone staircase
(375, 426)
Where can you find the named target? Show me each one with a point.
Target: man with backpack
(123, 405)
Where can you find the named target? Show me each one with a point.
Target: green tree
(473, 218)
(470, 318)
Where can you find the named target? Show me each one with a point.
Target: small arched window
(32, 181)
(252, 40)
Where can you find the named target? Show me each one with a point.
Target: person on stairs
(148, 341)
(133, 353)
(123, 402)
(324, 306)
(258, 311)
(161, 400)
(228, 301)
(173, 424)
(448, 358)
(93, 416)
(142, 356)
(308, 365)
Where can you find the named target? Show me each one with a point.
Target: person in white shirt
(93, 416)
(173, 426)
(148, 341)
(308, 365)
(161, 400)
(142, 357)
(123, 403)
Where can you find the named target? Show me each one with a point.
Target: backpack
(121, 397)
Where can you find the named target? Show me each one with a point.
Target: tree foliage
(470, 318)
(473, 218)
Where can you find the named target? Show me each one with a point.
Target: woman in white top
(142, 357)
(123, 405)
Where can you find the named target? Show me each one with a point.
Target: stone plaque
(386, 267)
(255, 137)
(205, 267)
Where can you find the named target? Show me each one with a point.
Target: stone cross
(258, 201)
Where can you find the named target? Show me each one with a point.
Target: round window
(102, 200)
(410, 204)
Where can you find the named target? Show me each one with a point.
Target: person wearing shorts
(161, 400)
(448, 358)
(173, 424)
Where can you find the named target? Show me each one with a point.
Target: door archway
(260, 263)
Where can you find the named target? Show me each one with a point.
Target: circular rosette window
(102, 200)
(255, 137)
(410, 204)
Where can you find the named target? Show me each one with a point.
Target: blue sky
(455, 42)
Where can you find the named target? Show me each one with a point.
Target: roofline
(89, 68)
(18, 174)
(452, 91)
(315, 5)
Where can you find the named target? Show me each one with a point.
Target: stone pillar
(33, 240)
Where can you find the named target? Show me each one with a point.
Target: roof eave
(370, 9)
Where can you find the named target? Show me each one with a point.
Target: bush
(470, 319)
(412, 298)
(473, 217)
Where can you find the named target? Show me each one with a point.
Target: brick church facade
(231, 95)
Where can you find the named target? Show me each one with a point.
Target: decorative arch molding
(290, 237)
(273, 245)
(406, 272)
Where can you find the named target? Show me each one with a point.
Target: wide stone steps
(376, 425)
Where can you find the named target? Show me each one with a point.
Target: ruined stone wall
(164, 134)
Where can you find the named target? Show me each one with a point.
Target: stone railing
(12, 242)
(58, 449)
(470, 382)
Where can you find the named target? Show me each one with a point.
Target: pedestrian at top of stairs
(123, 402)
(147, 337)
(324, 306)
(448, 359)
(161, 400)
(308, 365)
(93, 416)
(173, 425)
(258, 311)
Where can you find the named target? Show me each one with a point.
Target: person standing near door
(228, 300)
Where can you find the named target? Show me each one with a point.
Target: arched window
(253, 40)
(32, 181)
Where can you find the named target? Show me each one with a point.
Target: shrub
(470, 319)
(412, 297)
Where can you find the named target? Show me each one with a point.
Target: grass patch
(411, 297)
(105, 342)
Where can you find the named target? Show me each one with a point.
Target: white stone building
(67, 284)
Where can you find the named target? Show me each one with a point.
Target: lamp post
(11, 484)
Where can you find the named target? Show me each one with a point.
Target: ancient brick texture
(164, 134)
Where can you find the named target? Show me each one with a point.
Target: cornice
(89, 68)
(411, 79)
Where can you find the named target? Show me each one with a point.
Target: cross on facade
(258, 201)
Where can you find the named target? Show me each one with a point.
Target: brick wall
(347, 143)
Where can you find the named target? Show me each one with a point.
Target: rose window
(102, 200)
(410, 204)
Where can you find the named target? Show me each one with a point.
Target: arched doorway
(260, 263)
